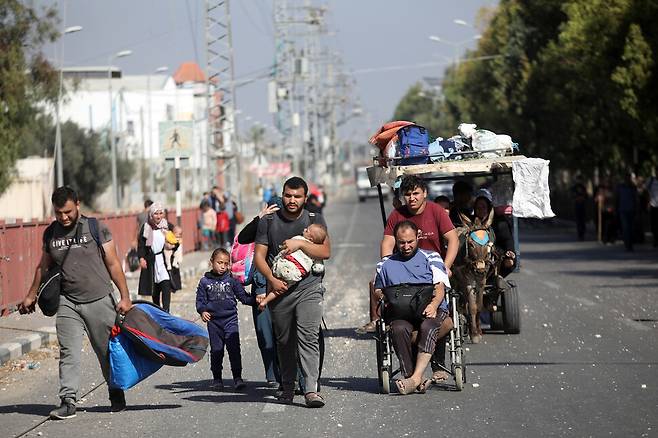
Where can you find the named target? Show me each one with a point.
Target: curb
(27, 343)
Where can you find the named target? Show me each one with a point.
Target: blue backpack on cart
(413, 144)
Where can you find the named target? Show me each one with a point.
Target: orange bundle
(387, 133)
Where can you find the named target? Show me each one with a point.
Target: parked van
(363, 189)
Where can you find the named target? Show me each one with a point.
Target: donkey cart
(500, 310)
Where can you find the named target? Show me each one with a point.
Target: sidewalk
(21, 334)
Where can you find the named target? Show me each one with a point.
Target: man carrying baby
(293, 267)
(297, 312)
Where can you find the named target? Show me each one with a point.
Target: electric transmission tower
(222, 154)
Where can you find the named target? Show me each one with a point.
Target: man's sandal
(405, 386)
(439, 376)
(422, 388)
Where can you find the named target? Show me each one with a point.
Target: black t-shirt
(274, 229)
(85, 277)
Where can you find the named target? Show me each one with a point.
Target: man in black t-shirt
(89, 264)
(297, 313)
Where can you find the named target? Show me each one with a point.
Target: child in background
(174, 257)
(216, 302)
(291, 268)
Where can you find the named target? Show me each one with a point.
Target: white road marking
(634, 324)
(528, 271)
(351, 245)
(273, 407)
(581, 300)
(551, 284)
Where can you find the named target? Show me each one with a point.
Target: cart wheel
(511, 314)
(497, 322)
(459, 378)
(385, 382)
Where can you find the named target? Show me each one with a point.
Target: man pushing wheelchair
(412, 284)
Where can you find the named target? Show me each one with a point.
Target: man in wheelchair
(412, 284)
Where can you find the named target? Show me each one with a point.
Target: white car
(363, 189)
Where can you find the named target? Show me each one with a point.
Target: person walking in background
(605, 208)
(579, 197)
(652, 190)
(263, 318)
(154, 279)
(89, 264)
(143, 215)
(627, 203)
(230, 207)
(208, 225)
(216, 297)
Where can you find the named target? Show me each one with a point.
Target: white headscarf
(149, 226)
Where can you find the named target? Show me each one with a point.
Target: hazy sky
(371, 34)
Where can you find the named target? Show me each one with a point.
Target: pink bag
(242, 261)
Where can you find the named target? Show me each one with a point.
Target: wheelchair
(385, 368)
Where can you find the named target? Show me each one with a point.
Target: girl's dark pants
(225, 332)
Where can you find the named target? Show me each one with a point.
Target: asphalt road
(585, 363)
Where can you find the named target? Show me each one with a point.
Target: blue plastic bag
(127, 367)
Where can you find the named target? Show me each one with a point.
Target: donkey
(476, 261)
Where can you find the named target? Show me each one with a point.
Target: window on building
(131, 128)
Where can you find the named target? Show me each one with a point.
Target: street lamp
(455, 44)
(58, 133)
(113, 152)
(162, 69)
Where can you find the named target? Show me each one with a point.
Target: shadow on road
(130, 408)
(39, 410)
(346, 332)
(358, 384)
(549, 363)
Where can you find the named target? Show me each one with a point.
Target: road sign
(176, 138)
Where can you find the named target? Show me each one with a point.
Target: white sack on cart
(531, 192)
(467, 130)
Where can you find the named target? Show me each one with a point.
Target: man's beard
(413, 253)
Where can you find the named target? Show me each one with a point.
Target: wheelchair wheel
(456, 346)
(385, 380)
(459, 378)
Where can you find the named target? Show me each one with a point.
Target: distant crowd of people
(218, 219)
(617, 209)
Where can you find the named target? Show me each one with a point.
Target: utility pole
(222, 132)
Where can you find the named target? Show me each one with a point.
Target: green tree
(23, 31)
(85, 156)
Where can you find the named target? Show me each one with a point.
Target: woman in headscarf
(154, 279)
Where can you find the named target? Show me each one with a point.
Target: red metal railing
(20, 249)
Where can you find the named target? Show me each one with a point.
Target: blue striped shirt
(425, 267)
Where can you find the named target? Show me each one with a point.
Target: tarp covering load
(148, 338)
(531, 194)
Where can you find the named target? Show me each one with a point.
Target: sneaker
(370, 327)
(314, 400)
(117, 400)
(272, 384)
(238, 383)
(65, 410)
